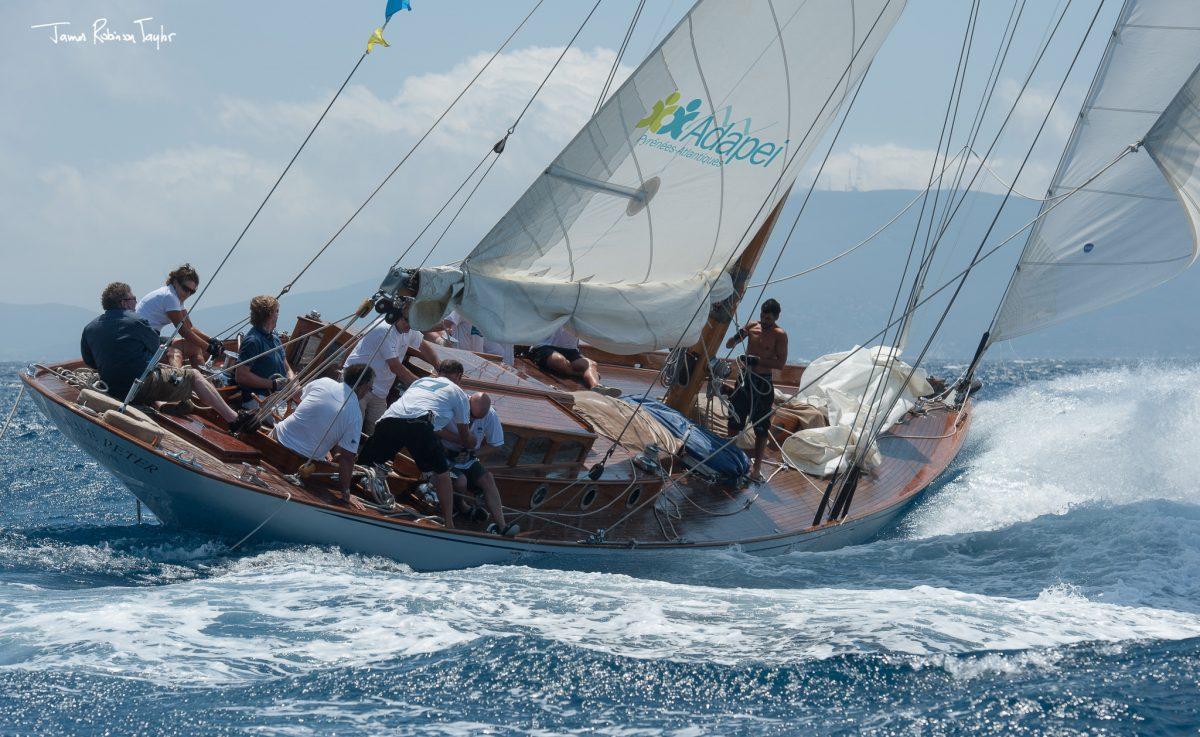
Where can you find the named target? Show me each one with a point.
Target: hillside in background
(828, 310)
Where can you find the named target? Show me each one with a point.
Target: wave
(1104, 437)
(303, 609)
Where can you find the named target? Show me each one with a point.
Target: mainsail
(626, 236)
(1124, 232)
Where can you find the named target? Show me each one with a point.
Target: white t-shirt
(561, 338)
(155, 306)
(469, 338)
(438, 395)
(308, 431)
(394, 345)
(486, 430)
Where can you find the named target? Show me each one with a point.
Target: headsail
(628, 231)
(1125, 232)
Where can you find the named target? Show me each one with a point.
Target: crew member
(415, 421)
(384, 348)
(164, 306)
(119, 344)
(487, 439)
(753, 398)
(559, 354)
(328, 419)
(269, 369)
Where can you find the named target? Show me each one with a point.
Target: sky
(120, 160)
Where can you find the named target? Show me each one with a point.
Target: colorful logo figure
(662, 108)
(730, 141)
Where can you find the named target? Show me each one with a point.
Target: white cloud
(478, 120)
(94, 220)
(1032, 107)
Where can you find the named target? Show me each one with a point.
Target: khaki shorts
(373, 408)
(165, 384)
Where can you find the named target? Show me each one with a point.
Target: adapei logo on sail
(668, 121)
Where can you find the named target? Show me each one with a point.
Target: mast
(681, 395)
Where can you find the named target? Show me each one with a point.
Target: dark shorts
(753, 402)
(165, 384)
(473, 471)
(393, 434)
(543, 352)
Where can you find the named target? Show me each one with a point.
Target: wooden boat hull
(182, 497)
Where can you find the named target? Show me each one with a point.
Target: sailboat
(641, 237)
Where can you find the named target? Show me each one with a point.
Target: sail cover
(627, 235)
(1125, 231)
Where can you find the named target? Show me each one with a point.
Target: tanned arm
(739, 336)
(399, 369)
(187, 329)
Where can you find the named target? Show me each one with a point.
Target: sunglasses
(188, 291)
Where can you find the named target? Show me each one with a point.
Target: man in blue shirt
(119, 344)
(269, 369)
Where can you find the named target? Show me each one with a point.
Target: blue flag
(393, 7)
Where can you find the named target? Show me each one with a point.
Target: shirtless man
(754, 397)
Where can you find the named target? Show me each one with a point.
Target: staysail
(1124, 232)
(627, 234)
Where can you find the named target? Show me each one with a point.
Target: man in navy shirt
(269, 370)
(119, 344)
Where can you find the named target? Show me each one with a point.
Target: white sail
(627, 234)
(1125, 231)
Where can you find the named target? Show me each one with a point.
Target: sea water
(1049, 583)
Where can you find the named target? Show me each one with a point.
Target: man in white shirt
(487, 438)
(164, 306)
(327, 419)
(559, 354)
(415, 422)
(384, 348)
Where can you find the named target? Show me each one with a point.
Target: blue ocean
(1048, 584)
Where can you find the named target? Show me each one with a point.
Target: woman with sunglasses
(164, 306)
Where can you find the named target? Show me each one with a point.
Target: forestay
(1125, 231)
(627, 234)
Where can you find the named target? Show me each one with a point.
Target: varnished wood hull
(212, 499)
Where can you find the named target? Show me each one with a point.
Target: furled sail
(627, 234)
(1124, 232)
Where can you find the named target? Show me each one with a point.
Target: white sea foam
(1103, 437)
(300, 610)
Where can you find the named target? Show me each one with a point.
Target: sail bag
(626, 237)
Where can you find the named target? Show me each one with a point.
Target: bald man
(487, 438)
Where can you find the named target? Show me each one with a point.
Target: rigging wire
(878, 231)
(497, 149)
(288, 287)
(841, 504)
(1028, 154)
(956, 89)
(976, 127)
(174, 333)
(616, 65)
